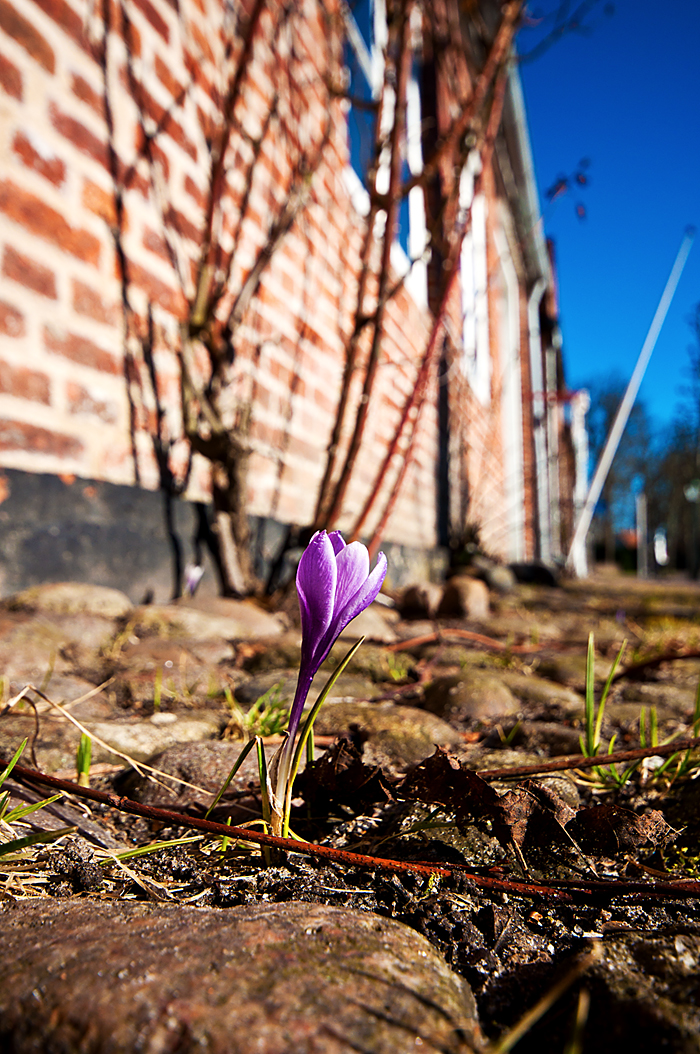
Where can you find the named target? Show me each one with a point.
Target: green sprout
(507, 738)
(688, 763)
(590, 742)
(267, 716)
(157, 689)
(590, 745)
(225, 840)
(609, 776)
(82, 760)
(685, 762)
(398, 666)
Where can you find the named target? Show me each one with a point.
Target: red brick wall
(81, 121)
(62, 394)
(75, 394)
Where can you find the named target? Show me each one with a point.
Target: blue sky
(627, 97)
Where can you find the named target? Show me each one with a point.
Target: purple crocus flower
(334, 584)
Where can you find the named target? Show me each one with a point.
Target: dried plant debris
(607, 830)
(532, 816)
(341, 778)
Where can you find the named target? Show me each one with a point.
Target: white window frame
(511, 399)
(413, 268)
(476, 348)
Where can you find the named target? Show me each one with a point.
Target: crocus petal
(353, 569)
(317, 576)
(337, 541)
(361, 600)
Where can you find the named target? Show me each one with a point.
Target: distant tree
(689, 411)
(574, 182)
(546, 23)
(632, 463)
(678, 466)
(668, 508)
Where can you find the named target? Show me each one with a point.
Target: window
(364, 72)
(508, 338)
(476, 361)
(364, 58)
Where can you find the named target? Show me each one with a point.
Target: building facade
(223, 253)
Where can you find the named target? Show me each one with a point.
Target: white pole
(641, 516)
(577, 553)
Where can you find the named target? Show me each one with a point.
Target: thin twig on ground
(563, 891)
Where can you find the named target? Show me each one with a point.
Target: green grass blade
(604, 696)
(83, 759)
(613, 671)
(590, 698)
(658, 773)
(25, 810)
(157, 689)
(264, 796)
(34, 839)
(237, 764)
(143, 850)
(225, 840)
(15, 759)
(262, 772)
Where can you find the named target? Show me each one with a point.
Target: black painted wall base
(57, 530)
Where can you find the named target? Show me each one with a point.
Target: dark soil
(642, 992)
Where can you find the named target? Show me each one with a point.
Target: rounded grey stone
(271, 978)
(468, 695)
